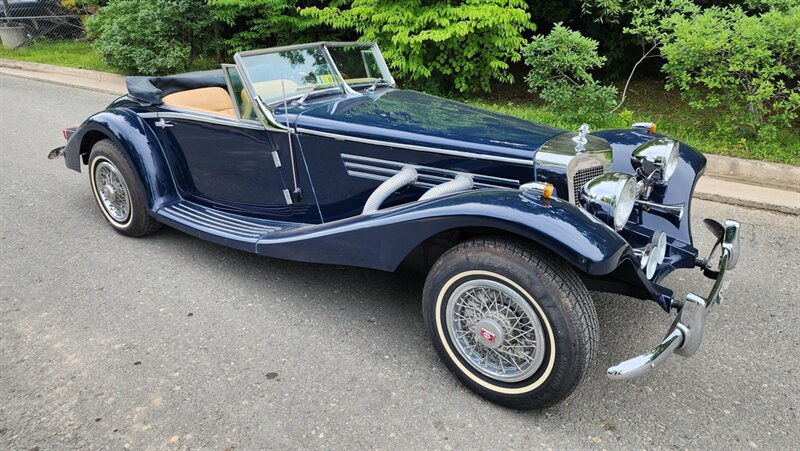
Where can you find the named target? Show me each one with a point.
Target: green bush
(152, 37)
(560, 66)
(438, 45)
(744, 66)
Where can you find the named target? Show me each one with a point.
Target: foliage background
(722, 75)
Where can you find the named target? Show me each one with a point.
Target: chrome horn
(674, 209)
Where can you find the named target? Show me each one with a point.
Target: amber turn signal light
(547, 192)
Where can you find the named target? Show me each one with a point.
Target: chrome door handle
(161, 123)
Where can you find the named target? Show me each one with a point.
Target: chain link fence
(24, 21)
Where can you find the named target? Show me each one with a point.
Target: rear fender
(382, 240)
(134, 138)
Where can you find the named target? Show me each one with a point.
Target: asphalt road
(173, 342)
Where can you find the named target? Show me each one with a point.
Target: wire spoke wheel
(113, 191)
(495, 330)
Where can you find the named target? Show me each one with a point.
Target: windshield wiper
(313, 92)
(375, 84)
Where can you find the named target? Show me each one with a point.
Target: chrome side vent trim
(427, 177)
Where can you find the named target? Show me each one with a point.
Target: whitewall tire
(514, 323)
(118, 191)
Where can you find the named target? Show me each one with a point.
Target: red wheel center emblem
(487, 335)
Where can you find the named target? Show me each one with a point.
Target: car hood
(410, 117)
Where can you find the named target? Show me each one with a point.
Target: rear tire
(118, 191)
(515, 324)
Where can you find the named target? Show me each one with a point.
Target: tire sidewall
(105, 151)
(557, 368)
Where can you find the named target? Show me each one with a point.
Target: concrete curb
(65, 76)
(756, 184)
(781, 176)
(60, 70)
(754, 196)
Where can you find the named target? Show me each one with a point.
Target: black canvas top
(152, 89)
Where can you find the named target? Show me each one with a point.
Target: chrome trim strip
(201, 117)
(455, 153)
(310, 45)
(378, 169)
(443, 171)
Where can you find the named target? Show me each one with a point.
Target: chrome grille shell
(558, 162)
(582, 169)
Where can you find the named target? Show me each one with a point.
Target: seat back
(212, 100)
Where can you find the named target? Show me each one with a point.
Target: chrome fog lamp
(659, 242)
(658, 159)
(648, 259)
(653, 254)
(610, 197)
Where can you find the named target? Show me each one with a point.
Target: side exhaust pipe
(406, 176)
(460, 183)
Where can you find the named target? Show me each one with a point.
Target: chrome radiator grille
(581, 177)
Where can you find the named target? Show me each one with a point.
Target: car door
(225, 161)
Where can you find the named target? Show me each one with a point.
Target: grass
(78, 54)
(647, 101)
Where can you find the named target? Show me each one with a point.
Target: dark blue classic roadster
(311, 153)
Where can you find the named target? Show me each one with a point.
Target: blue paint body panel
(220, 183)
(410, 117)
(382, 240)
(137, 140)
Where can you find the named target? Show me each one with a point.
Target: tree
(434, 43)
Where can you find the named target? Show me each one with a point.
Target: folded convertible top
(151, 90)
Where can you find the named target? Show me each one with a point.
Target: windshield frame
(266, 110)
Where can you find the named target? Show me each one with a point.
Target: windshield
(358, 65)
(298, 72)
(289, 73)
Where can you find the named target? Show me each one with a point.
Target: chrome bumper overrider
(686, 333)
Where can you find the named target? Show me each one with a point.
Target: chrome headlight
(610, 197)
(658, 159)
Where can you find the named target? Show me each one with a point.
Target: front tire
(118, 191)
(515, 324)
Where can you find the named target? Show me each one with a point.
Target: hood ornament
(580, 139)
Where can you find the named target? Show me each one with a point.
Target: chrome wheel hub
(489, 333)
(112, 191)
(107, 192)
(495, 329)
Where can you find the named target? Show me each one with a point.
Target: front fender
(691, 166)
(137, 141)
(383, 239)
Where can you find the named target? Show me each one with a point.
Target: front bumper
(686, 333)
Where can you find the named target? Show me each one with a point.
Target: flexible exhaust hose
(406, 176)
(460, 183)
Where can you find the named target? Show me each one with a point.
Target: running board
(237, 231)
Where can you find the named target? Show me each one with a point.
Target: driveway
(172, 342)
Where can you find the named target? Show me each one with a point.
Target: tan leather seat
(213, 100)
